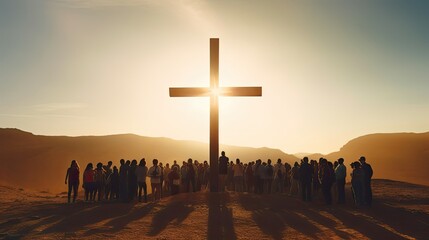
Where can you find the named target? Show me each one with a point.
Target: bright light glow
(215, 91)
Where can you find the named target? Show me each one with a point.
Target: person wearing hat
(367, 191)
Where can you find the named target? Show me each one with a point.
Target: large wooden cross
(214, 91)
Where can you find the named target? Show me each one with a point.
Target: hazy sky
(330, 70)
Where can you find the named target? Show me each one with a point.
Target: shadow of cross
(214, 91)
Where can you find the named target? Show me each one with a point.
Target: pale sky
(330, 70)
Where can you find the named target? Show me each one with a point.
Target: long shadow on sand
(274, 214)
(177, 210)
(220, 223)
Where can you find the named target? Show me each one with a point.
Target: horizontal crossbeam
(223, 91)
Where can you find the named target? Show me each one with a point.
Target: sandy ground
(400, 211)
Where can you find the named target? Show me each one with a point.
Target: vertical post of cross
(214, 115)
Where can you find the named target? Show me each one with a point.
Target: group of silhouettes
(128, 183)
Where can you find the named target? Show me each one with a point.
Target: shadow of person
(175, 210)
(220, 223)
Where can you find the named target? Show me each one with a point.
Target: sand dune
(400, 211)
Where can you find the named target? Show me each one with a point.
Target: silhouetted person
(155, 180)
(141, 173)
(327, 179)
(132, 181)
(114, 184)
(230, 177)
(238, 175)
(72, 177)
(367, 191)
(279, 176)
(88, 182)
(190, 176)
(316, 182)
(206, 176)
(100, 181)
(174, 179)
(340, 176)
(167, 182)
(200, 175)
(269, 176)
(123, 179)
(357, 183)
(305, 173)
(161, 179)
(249, 178)
(183, 172)
(287, 176)
(258, 173)
(108, 170)
(175, 165)
(223, 171)
(294, 179)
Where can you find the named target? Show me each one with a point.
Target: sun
(215, 91)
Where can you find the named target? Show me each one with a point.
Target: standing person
(230, 177)
(288, 168)
(72, 176)
(123, 179)
(206, 175)
(174, 179)
(294, 180)
(183, 173)
(190, 176)
(155, 180)
(175, 165)
(200, 174)
(100, 181)
(279, 174)
(305, 173)
(269, 176)
(167, 183)
(141, 173)
(132, 181)
(223, 171)
(114, 184)
(316, 182)
(238, 175)
(367, 191)
(108, 170)
(258, 177)
(88, 182)
(357, 183)
(326, 179)
(340, 178)
(249, 177)
(161, 178)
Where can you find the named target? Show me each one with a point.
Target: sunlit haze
(330, 71)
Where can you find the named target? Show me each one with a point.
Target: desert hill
(40, 162)
(399, 156)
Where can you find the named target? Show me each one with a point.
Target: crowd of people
(307, 179)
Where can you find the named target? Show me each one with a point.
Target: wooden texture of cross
(214, 91)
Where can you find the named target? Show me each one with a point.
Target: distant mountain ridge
(40, 162)
(399, 156)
